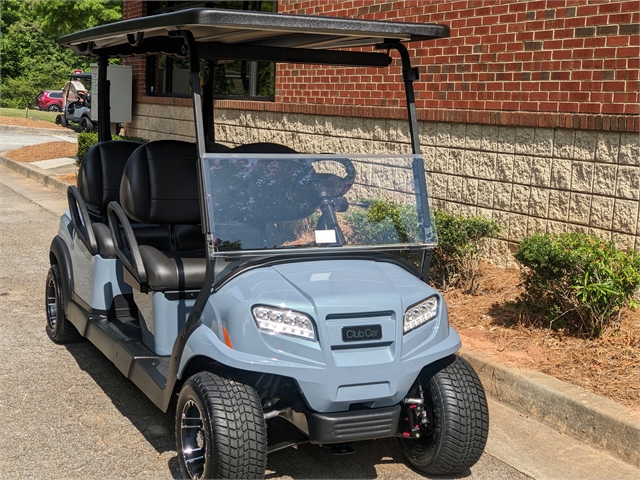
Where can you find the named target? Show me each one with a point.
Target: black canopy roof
(233, 34)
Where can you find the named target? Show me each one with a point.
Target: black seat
(100, 174)
(99, 178)
(160, 186)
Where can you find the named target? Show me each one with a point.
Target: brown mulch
(608, 365)
(43, 151)
(69, 178)
(29, 122)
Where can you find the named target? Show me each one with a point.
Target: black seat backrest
(160, 184)
(100, 174)
(262, 148)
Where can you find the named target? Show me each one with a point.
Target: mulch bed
(608, 365)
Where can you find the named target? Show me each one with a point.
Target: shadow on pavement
(154, 425)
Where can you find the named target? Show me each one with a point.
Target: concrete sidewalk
(573, 411)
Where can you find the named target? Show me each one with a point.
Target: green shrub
(85, 141)
(88, 139)
(383, 222)
(577, 280)
(456, 259)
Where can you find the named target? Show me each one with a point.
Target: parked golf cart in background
(257, 282)
(76, 99)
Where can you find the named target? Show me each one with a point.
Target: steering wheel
(331, 185)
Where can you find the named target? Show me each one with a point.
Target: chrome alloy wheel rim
(193, 439)
(52, 307)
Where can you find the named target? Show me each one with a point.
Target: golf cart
(255, 282)
(76, 99)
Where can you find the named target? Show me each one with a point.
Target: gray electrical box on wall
(121, 81)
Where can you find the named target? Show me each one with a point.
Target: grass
(22, 113)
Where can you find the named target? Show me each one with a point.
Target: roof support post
(104, 102)
(194, 67)
(409, 75)
(194, 319)
(207, 102)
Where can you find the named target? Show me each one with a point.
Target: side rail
(80, 218)
(125, 243)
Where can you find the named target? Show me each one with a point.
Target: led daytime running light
(280, 321)
(420, 314)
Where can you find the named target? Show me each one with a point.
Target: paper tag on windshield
(325, 236)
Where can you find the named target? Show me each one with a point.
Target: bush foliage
(577, 280)
(456, 259)
(383, 222)
(88, 139)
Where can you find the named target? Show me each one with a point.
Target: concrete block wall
(528, 179)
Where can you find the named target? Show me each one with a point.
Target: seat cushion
(173, 270)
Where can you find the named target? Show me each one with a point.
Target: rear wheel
(86, 125)
(220, 429)
(449, 435)
(59, 329)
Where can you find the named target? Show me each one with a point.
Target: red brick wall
(549, 63)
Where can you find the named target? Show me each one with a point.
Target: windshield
(281, 202)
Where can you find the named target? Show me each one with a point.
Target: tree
(32, 60)
(61, 17)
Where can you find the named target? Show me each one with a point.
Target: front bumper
(344, 427)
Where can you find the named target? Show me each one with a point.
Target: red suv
(50, 100)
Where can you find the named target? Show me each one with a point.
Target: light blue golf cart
(241, 284)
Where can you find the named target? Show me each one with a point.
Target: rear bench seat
(99, 178)
(98, 182)
(160, 186)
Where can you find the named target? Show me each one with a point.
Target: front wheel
(450, 434)
(54, 107)
(59, 328)
(220, 429)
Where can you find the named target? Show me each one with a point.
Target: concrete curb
(574, 411)
(35, 173)
(38, 131)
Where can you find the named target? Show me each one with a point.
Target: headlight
(420, 314)
(287, 322)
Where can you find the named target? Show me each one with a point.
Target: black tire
(63, 120)
(455, 437)
(59, 328)
(58, 119)
(54, 107)
(86, 125)
(220, 429)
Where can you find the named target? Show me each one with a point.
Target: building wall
(553, 63)
(529, 112)
(528, 179)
